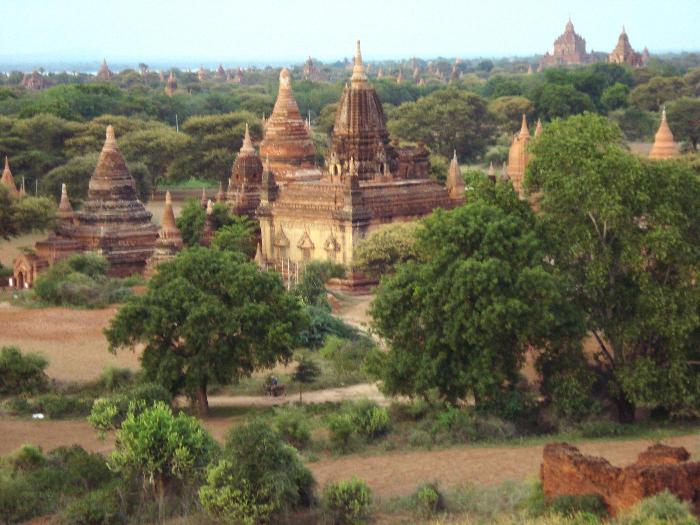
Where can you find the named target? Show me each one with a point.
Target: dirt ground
(72, 340)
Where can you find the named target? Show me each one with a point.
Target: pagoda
(244, 186)
(569, 49)
(623, 52)
(112, 221)
(169, 241)
(202, 74)
(367, 182)
(8, 180)
(220, 73)
(34, 81)
(518, 157)
(170, 85)
(311, 72)
(104, 73)
(286, 141)
(665, 146)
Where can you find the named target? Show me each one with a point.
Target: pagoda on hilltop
(665, 146)
(569, 50)
(623, 52)
(169, 241)
(112, 222)
(245, 183)
(367, 182)
(104, 73)
(286, 141)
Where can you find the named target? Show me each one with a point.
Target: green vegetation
(348, 502)
(22, 374)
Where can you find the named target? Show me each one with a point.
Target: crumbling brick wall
(565, 471)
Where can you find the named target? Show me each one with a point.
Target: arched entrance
(20, 280)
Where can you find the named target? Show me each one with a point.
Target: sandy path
(332, 395)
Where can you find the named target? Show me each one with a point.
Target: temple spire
(538, 128)
(8, 180)
(358, 69)
(664, 144)
(110, 139)
(65, 210)
(455, 182)
(524, 131)
(247, 147)
(220, 195)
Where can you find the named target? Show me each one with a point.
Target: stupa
(8, 180)
(665, 146)
(170, 85)
(243, 194)
(169, 241)
(104, 73)
(518, 157)
(286, 141)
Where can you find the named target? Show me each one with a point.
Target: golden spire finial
(524, 131)
(110, 139)
(358, 69)
(247, 147)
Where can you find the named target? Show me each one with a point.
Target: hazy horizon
(175, 32)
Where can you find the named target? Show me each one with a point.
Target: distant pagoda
(569, 49)
(623, 52)
(170, 85)
(169, 241)
(244, 186)
(104, 73)
(665, 146)
(8, 180)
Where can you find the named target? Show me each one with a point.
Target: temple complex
(169, 241)
(35, 81)
(311, 72)
(286, 141)
(170, 85)
(665, 146)
(518, 156)
(569, 49)
(112, 222)
(104, 73)
(8, 180)
(244, 186)
(623, 52)
(367, 182)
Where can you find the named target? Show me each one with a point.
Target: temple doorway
(20, 280)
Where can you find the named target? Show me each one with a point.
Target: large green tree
(446, 120)
(206, 316)
(624, 233)
(460, 318)
(24, 215)
(684, 120)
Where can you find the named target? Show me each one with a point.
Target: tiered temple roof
(623, 52)
(104, 73)
(569, 49)
(8, 180)
(518, 156)
(287, 142)
(246, 178)
(113, 221)
(664, 146)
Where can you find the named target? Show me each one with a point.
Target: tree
(190, 221)
(446, 120)
(25, 214)
(208, 315)
(382, 250)
(684, 120)
(258, 477)
(615, 96)
(508, 111)
(460, 318)
(162, 448)
(305, 373)
(657, 92)
(624, 235)
(560, 100)
(238, 236)
(311, 288)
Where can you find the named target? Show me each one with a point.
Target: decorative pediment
(305, 242)
(281, 239)
(331, 244)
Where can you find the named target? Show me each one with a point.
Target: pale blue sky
(277, 31)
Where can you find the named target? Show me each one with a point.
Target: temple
(169, 241)
(112, 222)
(569, 49)
(245, 183)
(104, 73)
(8, 180)
(286, 141)
(34, 81)
(170, 85)
(311, 72)
(623, 52)
(518, 156)
(664, 146)
(367, 182)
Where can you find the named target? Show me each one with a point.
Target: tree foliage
(25, 214)
(206, 316)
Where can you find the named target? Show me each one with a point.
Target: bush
(18, 500)
(598, 428)
(369, 420)
(114, 378)
(21, 373)
(259, 477)
(108, 413)
(341, 429)
(663, 508)
(292, 426)
(26, 459)
(457, 425)
(57, 406)
(348, 357)
(322, 324)
(347, 502)
(427, 500)
(585, 503)
(83, 470)
(99, 507)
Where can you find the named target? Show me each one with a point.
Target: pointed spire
(491, 172)
(168, 224)
(220, 195)
(538, 128)
(8, 180)
(664, 144)
(358, 69)
(110, 139)
(524, 131)
(247, 147)
(454, 182)
(504, 172)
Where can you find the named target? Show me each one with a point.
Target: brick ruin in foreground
(565, 471)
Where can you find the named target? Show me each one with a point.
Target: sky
(240, 32)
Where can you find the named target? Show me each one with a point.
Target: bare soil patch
(72, 340)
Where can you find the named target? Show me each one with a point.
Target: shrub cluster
(54, 405)
(363, 420)
(108, 413)
(22, 374)
(347, 502)
(81, 281)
